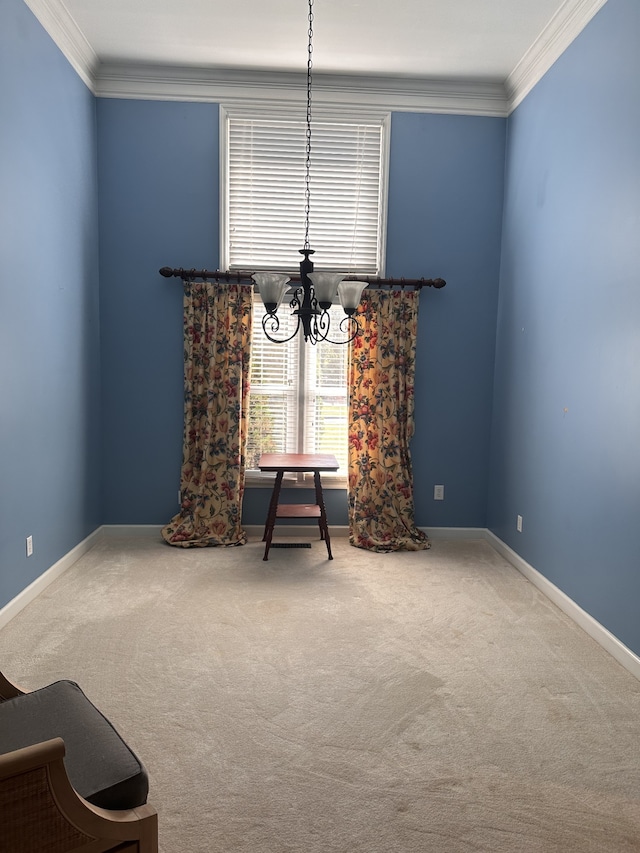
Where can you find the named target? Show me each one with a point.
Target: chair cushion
(100, 765)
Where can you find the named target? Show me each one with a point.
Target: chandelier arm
(348, 319)
(272, 318)
(322, 326)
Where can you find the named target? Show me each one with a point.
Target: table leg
(271, 515)
(322, 521)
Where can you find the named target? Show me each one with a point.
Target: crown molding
(408, 94)
(62, 28)
(568, 22)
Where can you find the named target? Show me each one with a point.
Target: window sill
(258, 480)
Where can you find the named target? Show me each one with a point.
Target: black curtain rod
(244, 277)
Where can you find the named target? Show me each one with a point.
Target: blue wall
(49, 329)
(445, 217)
(158, 171)
(158, 174)
(566, 424)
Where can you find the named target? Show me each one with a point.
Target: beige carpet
(429, 702)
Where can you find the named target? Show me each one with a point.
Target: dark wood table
(298, 462)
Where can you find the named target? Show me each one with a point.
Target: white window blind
(265, 193)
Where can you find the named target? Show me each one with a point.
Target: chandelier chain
(307, 191)
(311, 300)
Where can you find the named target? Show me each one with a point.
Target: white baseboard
(593, 628)
(113, 530)
(13, 607)
(455, 533)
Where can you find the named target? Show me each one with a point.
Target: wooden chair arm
(39, 804)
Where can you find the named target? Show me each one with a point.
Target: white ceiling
(482, 39)
(488, 42)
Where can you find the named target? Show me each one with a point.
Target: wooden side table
(298, 462)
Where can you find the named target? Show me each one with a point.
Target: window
(299, 391)
(298, 398)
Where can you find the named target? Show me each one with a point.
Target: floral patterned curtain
(217, 340)
(381, 406)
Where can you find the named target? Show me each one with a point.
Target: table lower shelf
(298, 511)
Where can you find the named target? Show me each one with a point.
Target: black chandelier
(312, 298)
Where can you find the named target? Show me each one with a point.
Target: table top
(298, 462)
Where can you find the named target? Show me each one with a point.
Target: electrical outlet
(438, 493)
(29, 546)
(519, 524)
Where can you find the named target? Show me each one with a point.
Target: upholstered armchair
(68, 781)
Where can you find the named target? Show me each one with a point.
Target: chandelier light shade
(272, 288)
(325, 286)
(350, 293)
